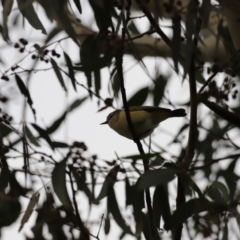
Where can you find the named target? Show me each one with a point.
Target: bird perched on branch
(144, 120)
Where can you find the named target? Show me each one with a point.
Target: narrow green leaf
(56, 124)
(108, 182)
(59, 184)
(43, 133)
(25, 92)
(4, 176)
(132, 28)
(193, 206)
(30, 136)
(218, 192)
(161, 205)
(70, 70)
(97, 81)
(156, 177)
(176, 41)
(159, 88)
(80, 178)
(32, 203)
(60, 144)
(114, 209)
(139, 97)
(53, 33)
(58, 73)
(28, 11)
(107, 225)
(5, 130)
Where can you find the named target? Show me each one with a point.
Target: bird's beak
(103, 123)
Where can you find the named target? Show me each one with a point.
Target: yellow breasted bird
(144, 119)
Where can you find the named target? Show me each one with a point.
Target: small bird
(144, 119)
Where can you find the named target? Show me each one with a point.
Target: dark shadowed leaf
(28, 11)
(52, 34)
(5, 130)
(58, 73)
(132, 28)
(70, 70)
(43, 133)
(218, 192)
(57, 144)
(139, 97)
(4, 176)
(31, 137)
(113, 208)
(161, 207)
(32, 203)
(78, 5)
(97, 81)
(56, 124)
(25, 92)
(107, 225)
(80, 178)
(159, 89)
(108, 182)
(156, 177)
(116, 85)
(103, 11)
(193, 206)
(176, 40)
(59, 184)
(231, 178)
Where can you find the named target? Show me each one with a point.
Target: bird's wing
(139, 116)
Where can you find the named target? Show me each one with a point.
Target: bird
(144, 120)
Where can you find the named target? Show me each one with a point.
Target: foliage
(204, 206)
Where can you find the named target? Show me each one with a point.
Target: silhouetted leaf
(53, 33)
(70, 70)
(193, 206)
(176, 40)
(159, 89)
(32, 203)
(43, 133)
(132, 28)
(59, 184)
(108, 182)
(139, 97)
(107, 225)
(113, 208)
(78, 5)
(58, 73)
(93, 58)
(25, 92)
(56, 124)
(5, 130)
(31, 137)
(80, 178)
(218, 192)
(103, 11)
(156, 177)
(161, 207)
(28, 11)
(60, 145)
(4, 176)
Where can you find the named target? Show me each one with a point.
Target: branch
(119, 61)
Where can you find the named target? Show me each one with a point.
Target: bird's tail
(179, 112)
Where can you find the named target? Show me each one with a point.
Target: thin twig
(215, 161)
(154, 23)
(100, 226)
